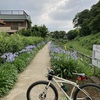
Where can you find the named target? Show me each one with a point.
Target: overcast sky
(55, 14)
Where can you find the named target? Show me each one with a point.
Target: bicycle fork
(42, 95)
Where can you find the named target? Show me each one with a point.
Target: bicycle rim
(39, 92)
(89, 92)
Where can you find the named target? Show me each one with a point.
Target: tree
(95, 10)
(40, 31)
(72, 34)
(43, 31)
(95, 25)
(95, 18)
(80, 18)
(88, 20)
(58, 34)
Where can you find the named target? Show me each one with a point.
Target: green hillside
(84, 44)
(87, 30)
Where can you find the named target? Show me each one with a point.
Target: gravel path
(35, 71)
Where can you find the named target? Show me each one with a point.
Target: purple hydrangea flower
(11, 57)
(57, 49)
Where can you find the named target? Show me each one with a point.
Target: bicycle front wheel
(88, 92)
(42, 90)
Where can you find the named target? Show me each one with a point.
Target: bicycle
(47, 91)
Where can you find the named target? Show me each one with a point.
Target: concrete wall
(5, 29)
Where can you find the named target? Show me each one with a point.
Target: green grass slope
(84, 44)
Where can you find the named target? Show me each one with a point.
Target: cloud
(69, 9)
(55, 14)
(59, 25)
(65, 11)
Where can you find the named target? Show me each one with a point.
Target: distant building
(2, 22)
(13, 20)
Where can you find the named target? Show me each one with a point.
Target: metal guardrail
(88, 59)
(81, 55)
(84, 55)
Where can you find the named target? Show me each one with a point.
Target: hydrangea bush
(64, 62)
(15, 42)
(14, 63)
(9, 57)
(8, 77)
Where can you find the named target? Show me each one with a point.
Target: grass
(84, 44)
(76, 45)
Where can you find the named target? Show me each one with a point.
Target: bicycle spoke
(88, 93)
(41, 90)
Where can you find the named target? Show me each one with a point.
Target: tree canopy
(40, 31)
(88, 20)
(58, 34)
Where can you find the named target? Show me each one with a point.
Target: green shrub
(16, 42)
(63, 66)
(22, 61)
(31, 40)
(83, 67)
(9, 71)
(20, 64)
(65, 63)
(72, 34)
(8, 76)
(11, 43)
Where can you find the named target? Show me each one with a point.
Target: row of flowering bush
(64, 63)
(14, 63)
(9, 57)
(16, 42)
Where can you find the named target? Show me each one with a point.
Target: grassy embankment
(84, 44)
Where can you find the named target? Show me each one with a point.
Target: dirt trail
(35, 71)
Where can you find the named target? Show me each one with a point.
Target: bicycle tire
(92, 89)
(40, 83)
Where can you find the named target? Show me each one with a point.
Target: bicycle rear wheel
(40, 91)
(92, 92)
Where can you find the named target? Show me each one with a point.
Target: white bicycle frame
(59, 80)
